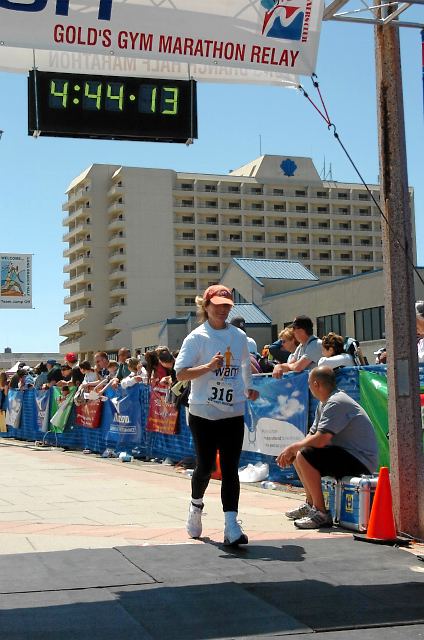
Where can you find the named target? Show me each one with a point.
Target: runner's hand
(216, 362)
(252, 394)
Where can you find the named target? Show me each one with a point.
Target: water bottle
(266, 484)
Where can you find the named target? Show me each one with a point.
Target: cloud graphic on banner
(288, 406)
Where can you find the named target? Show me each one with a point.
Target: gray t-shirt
(351, 427)
(312, 349)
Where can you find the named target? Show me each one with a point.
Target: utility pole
(405, 431)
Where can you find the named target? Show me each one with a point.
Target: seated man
(341, 442)
(307, 353)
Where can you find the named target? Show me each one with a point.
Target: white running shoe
(234, 534)
(315, 520)
(194, 521)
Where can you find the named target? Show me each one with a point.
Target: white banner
(273, 36)
(16, 281)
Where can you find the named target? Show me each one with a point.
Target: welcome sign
(271, 36)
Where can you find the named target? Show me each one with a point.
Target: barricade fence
(124, 424)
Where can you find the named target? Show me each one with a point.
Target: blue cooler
(331, 493)
(356, 496)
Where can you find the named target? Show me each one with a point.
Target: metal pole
(405, 432)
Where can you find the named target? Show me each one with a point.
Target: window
(369, 324)
(300, 193)
(233, 189)
(210, 187)
(280, 238)
(342, 196)
(302, 239)
(346, 256)
(303, 254)
(365, 242)
(324, 271)
(300, 207)
(122, 300)
(345, 241)
(323, 225)
(363, 196)
(365, 226)
(212, 236)
(257, 222)
(278, 192)
(188, 252)
(89, 287)
(186, 186)
(188, 302)
(211, 220)
(121, 250)
(212, 252)
(281, 254)
(211, 203)
(188, 219)
(235, 236)
(322, 209)
(365, 212)
(256, 190)
(89, 269)
(234, 205)
(235, 253)
(259, 254)
(213, 268)
(257, 206)
(336, 322)
(344, 225)
(187, 203)
(188, 235)
(342, 210)
(189, 268)
(121, 268)
(279, 207)
(258, 238)
(280, 223)
(189, 284)
(234, 221)
(347, 271)
(323, 240)
(324, 256)
(301, 223)
(322, 194)
(122, 284)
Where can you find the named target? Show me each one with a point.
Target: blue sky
(35, 173)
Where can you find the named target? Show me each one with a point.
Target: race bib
(221, 394)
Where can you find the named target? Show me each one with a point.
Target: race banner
(16, 281)
(89, 413)
(279, 416)
(163, 415)
(125, 427)
(279, 36)
(374, 399)
(59, 419)
(42, 402)
(15, 399)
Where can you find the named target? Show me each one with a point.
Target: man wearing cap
(381, 356)
(54, 372)
(307, 353)
(77, 377)
(215, 358)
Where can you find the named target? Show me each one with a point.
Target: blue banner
(14, 408)
(126, 425)
(279, 416)
(42, 401)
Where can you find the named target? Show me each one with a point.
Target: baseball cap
(51, 361)
(238, 321)
(381, 350)
(218, 294)
(71, 357)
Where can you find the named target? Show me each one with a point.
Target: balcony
(116, 256)
(117, 273)
(117, 240)
(77, 296)
(77, 246)
(116, 223)
(116, 207)
(118, 291)
(80, 228)
(78, 213)
(76, 314)
(80, 278)
(115, 191)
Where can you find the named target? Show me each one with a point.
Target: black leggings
(210, 436)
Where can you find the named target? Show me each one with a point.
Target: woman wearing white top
(333, 352)
(215, 358)
(289, 342)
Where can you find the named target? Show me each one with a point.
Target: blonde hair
(288, 334)
(202, 314)
(132, 364)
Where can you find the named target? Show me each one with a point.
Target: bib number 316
(221, 395)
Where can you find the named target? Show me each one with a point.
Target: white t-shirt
(420, 347)
(217, 394)
(341, 360)
(252, 346)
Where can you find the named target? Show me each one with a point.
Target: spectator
(88, 372)
(288, 342)
(41, 373)
(381, 356)
(167, 362)
(123, 371)
(133, 377)
(4, 388)
(307, 353)
(419, 312)
(64, 393)
(278, 351)
(66, 378)
(341, 442)
(54, 373)
(334, 355)
(71, 359)
(102, 362)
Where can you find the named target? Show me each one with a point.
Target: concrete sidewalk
(93, 548)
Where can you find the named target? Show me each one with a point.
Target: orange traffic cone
(216, 475)
(381, 525)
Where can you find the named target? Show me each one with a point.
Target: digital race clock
(91, 106)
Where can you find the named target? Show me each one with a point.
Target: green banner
(64, 407)
(373, 398)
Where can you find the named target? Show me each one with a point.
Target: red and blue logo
(283, 19)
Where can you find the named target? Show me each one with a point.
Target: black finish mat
(344, 588)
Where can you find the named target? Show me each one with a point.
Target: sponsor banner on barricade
(88, 414)
(265, 35)
(163, 415)
(374, 398)
(42, 403)
(279, 416)
(59, 419)
(125, 427)
(14, 408)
